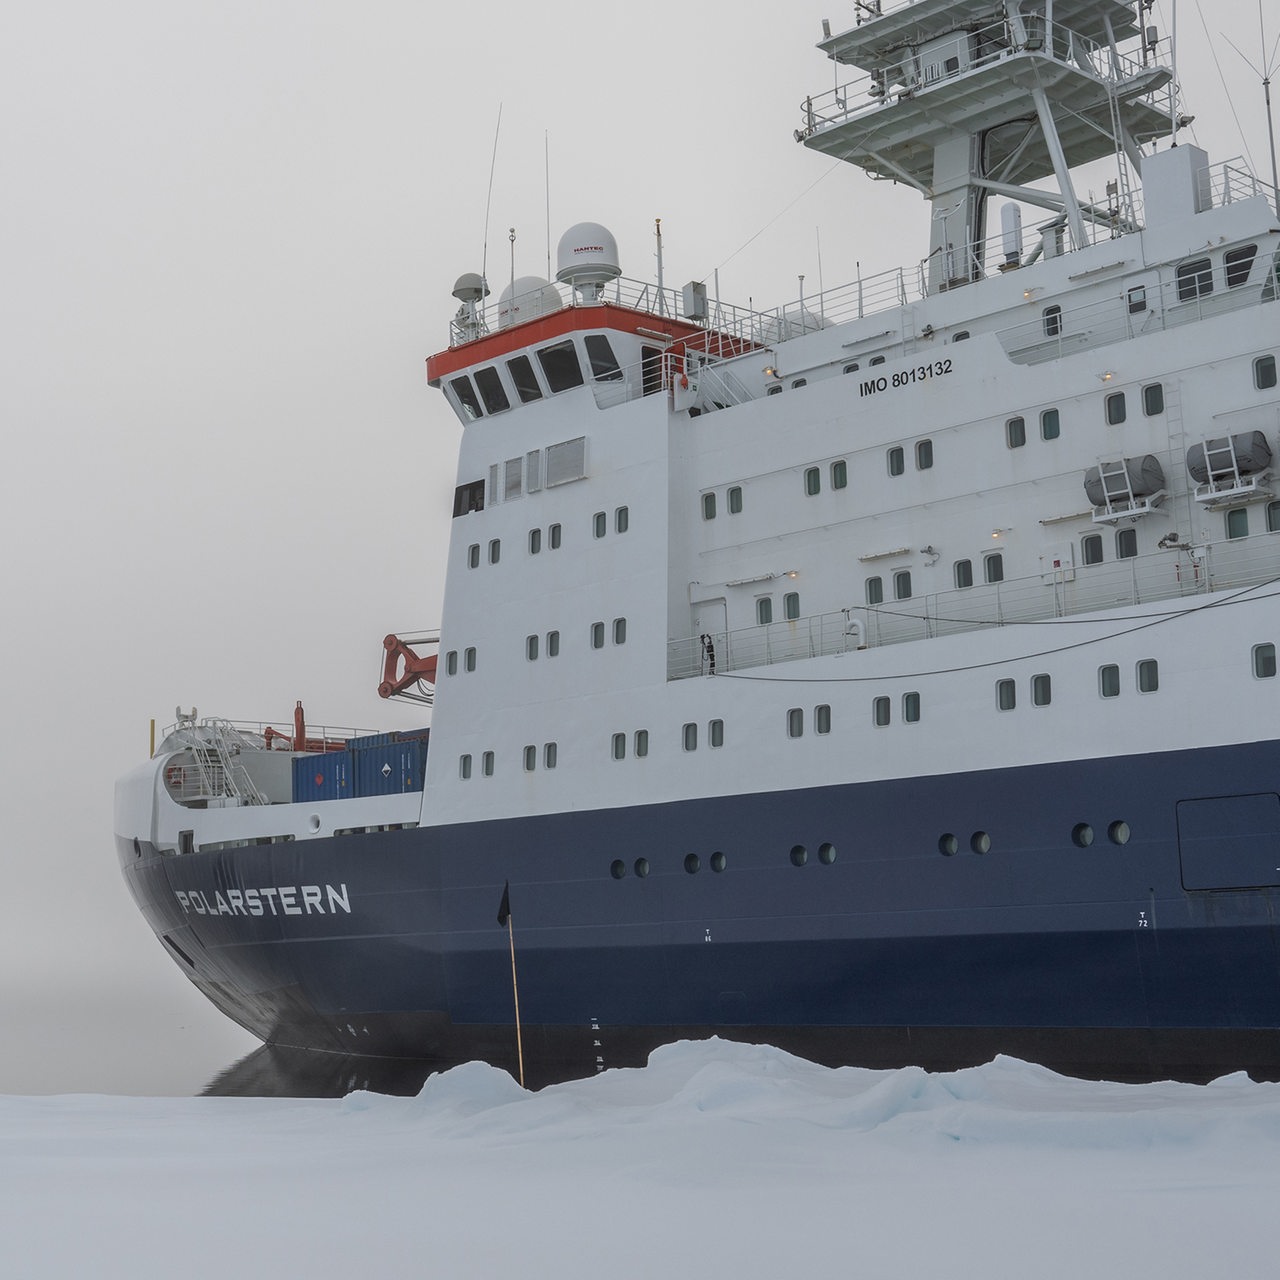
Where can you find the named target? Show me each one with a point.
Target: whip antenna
(493, 164)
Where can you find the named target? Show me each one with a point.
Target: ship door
(711, 626)
(1143, 303)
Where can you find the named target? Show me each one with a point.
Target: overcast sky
(230, 231)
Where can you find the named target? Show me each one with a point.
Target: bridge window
(1238, 263)
(462, 388)
(560, 366)
(604, 366)
(1195, 280)
(526, 382)
(491, 390)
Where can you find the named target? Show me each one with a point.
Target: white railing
(1164, 575)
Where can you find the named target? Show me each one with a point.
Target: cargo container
(389, 769)
(323, 777)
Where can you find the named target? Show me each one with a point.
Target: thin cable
(488, 201)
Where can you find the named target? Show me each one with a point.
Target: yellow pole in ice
(153, 739)
(515, 991)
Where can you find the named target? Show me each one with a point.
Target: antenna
(546, 180)
(493, 164)
(1263, 71)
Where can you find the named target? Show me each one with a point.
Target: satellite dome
(527, 298)
(470, 287)
(587, 255)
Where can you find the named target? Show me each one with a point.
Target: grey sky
(230, 232)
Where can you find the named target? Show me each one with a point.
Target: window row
(732, 502)
(1126, 543)
(821, 720)
(550, 752)
(689, 735)
(619, 631)
(882, 709)
(532, 645)
(559, 368)
(1041, 692)
(790, 608)
(717, 861)
(1015, 429)
(1194, 279)
(451, 661)
(600, 522)
(1116, 404)
(531, 472)
(896, 457)
(1118, 832)
(495, 553)
(639, 745)
(962, 574)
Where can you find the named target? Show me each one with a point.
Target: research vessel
(889, 676)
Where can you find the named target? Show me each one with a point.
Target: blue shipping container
(390, 769)
(322, 777)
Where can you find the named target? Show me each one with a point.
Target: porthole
(619, 869)
(826, 854)
(799, 855)
(948, 845)
(692, 863)
(980, 842)
(1118, 832)
(1082, 835)
(642, 867)
(717, 861)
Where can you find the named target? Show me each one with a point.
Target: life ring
(173, 777)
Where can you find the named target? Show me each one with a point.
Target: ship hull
(837, 927)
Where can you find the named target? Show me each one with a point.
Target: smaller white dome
(470, 287)
(527, 298)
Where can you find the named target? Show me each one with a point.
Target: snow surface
(716, 1160)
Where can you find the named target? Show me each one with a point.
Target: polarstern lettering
(274, 900)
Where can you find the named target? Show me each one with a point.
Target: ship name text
(906, 377)
(276, 900)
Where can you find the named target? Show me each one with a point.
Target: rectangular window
(604, 366)
(535, 541)
(1264, 661)
(1238, 263)
(651, 370)
(734, 497)
(451, 663)
(1116, 411)
(1153, 399)
(1126, 544)
(1238, 522)
(464, 767)
(764, 610)
(897, 460)
(553, 644)
(495, 550)
(642, 742)
(993, 567)
(715, 733)
(526, 382)
(963, 570)
(1091, 548)
(1195, 280)
(599, 525)
(911, 707)
(566, 461)
(1137, 299)
(708, 506)
(619, 746)
(1264, 373)
(550, 752)
(622, 520)
(1051, 317)
(822, 718)
(689, 737)
(1050, 425)
(553, 537)
(1109, 681)
(880, 712)
(486, 764)
(902, 584)
(924, 455)
(1041, 691)
(597, 635)
(473, 556)
(491, 392)
(530, 758)
(812, 481)
(469, 659)
(839, 474)
(470, 497)
(875, 591)
(1015, 433)
(560, 366)
(533, 471)
(462, 388)
(531, 648)
(791, 606)
(1006, 695)
(1148, 675)
(619, 631)
(1273, 517)
(795, 722)
(512, 479)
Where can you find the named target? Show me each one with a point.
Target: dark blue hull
(1153, 950)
